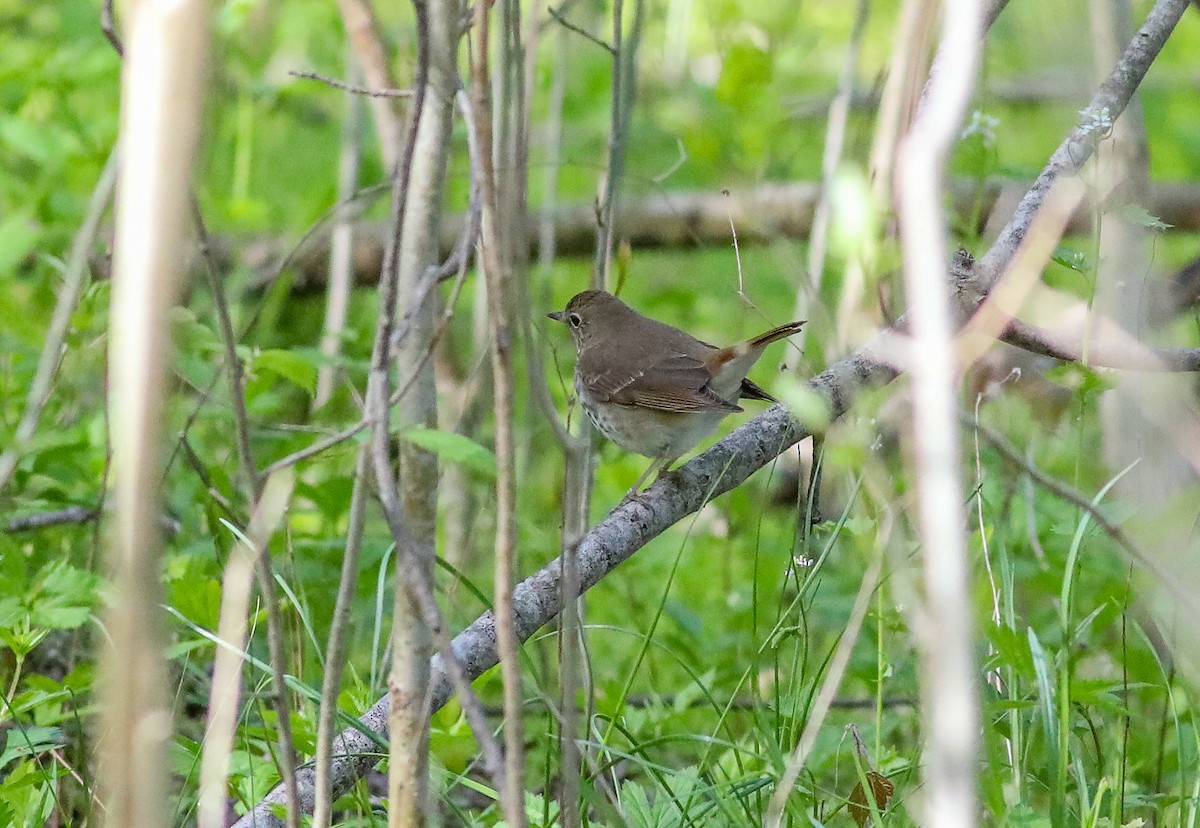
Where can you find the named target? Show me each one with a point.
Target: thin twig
(1125, 356)
(57, 517)
(75, 279)
(950, 705)
(108, 25)
(335, 650)
(350, 87)
(341, 246)
(233, 362)
(624, 84)
(584, 33)
(498, 276)
(1082, 502)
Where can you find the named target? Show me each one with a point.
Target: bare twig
(57, 517)
(577, 451)
(558, 16)
(233, 363)
(223, 709)
(352, 88)
(1101, 353)
(341, 246)
(624, 85)
(1075, 150)
(1081, 501)
(496, 265)
(108, 25)
(335, 650)
(74, 281)
(370, 51)
(949, 702)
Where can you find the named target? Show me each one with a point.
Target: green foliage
(454, 448)
(709, 649)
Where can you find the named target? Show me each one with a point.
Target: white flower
(983, 125)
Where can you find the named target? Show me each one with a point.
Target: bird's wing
(675, 382)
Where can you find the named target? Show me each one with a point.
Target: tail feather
(751, 390)
(774, 334)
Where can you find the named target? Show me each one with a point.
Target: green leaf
(1138, 215)
(454, 448)
(296, 368)
(18, 235)
(744, 70)
(30, 741)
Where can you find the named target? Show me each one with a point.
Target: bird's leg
(657, 464)
(667, 462)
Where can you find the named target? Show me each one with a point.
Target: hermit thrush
(653, 389)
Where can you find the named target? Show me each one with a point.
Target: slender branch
(1080, 143)
(1082, 502)
(561, 19)
(624, 85)
(1126, 355)
(108, 25)
(74, 281)
(497, 272)
(353, 89)
(335, 650)
(233, 363)
(949, 700)
(341, 246)
(57, 517)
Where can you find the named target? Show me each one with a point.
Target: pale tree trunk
(161, 92)
(412, 643)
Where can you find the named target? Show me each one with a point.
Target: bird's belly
(650, 432)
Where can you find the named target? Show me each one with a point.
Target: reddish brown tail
(782, 332)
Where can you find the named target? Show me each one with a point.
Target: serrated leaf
(297, 369)
(454, 448)
(1072, 259)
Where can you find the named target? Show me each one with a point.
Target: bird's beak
(558, 316)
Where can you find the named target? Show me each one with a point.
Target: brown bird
(653, 389)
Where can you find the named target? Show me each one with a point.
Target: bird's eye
(574, 320)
